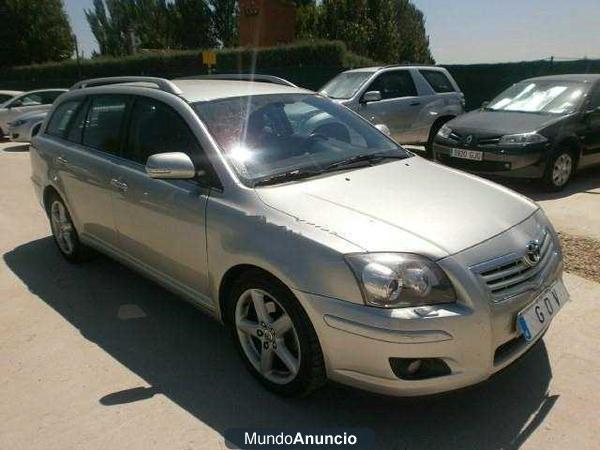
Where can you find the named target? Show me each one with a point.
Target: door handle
(62, 160)
(121, 186)
(415, 103)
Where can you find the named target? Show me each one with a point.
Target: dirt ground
(95, 356)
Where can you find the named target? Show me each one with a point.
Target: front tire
(64, 232)
(559, 170)
(274, 336)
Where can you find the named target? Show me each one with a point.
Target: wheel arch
(572, 143)
(232, 275)
(48, 192)
(440, 121)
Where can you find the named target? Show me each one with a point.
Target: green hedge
(482, 82)
(308, 64)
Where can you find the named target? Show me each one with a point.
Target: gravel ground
(582, 256)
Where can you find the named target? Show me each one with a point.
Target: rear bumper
(474, 337)
(500, 162)
(18, 134)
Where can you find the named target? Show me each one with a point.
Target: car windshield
(345, 84)
(552, 97)
(267, 135)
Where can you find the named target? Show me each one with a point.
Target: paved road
(97, 357)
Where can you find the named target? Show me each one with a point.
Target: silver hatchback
(330, 251)
(413, 102)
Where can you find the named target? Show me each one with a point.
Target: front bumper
(513, 163)
(475, 337)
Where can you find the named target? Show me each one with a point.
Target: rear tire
(274, 335)
(64, 232)
(559, 171)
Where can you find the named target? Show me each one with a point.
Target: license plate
(537, 316)
(462, 153)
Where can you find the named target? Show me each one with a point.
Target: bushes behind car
(308, 64)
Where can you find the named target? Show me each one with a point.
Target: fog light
(414, 366)
(419, 368)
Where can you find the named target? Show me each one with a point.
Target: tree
(226, 14)
(414, 42)
(389, 31)
(120, 26)
(34, 31)
(111, 22)
(193, 23)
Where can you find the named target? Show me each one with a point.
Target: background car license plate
(536, 317)
(462, 153)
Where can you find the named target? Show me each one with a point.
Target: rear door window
(394, 84)
(62, 117)
(34, 99)
(438, 81)
(104, 122)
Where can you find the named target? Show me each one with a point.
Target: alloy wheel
(62, 227)
(562, 169)
(267, 336)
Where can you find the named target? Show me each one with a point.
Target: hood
(411, 205)
(501, 122)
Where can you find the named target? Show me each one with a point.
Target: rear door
(399, 104)
(85, 162)
(161, 223)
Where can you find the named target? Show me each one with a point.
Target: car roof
(6, 92)
(206, 90)
(580, 77)
(35, 91)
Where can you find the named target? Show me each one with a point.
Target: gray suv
(326, 248)
(412, 101)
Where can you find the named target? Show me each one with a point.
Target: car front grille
(477, 140)
(511, 275)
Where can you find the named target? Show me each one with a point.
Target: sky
(475, 31)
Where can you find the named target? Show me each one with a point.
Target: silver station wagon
(329, 251)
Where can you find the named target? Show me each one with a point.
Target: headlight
(17, 123)
(522, 139)
(444, 131)
(393, 280)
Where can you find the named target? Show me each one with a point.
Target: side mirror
(371, 96)
(176, 165)
(484, 105)
(384, 129)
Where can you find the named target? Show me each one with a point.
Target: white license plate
(462, 153)
(538, 315)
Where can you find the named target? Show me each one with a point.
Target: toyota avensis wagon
(329, 250)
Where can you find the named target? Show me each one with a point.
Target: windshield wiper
(367, 158)
(289, 175)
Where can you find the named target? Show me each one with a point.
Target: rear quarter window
(438, 81)
(62, 116)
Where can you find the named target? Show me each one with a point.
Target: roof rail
(389, 66)
(242, 77)
(161, 83)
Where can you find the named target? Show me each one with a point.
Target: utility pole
(79, 76)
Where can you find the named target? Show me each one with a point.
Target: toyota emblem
(534, 254)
